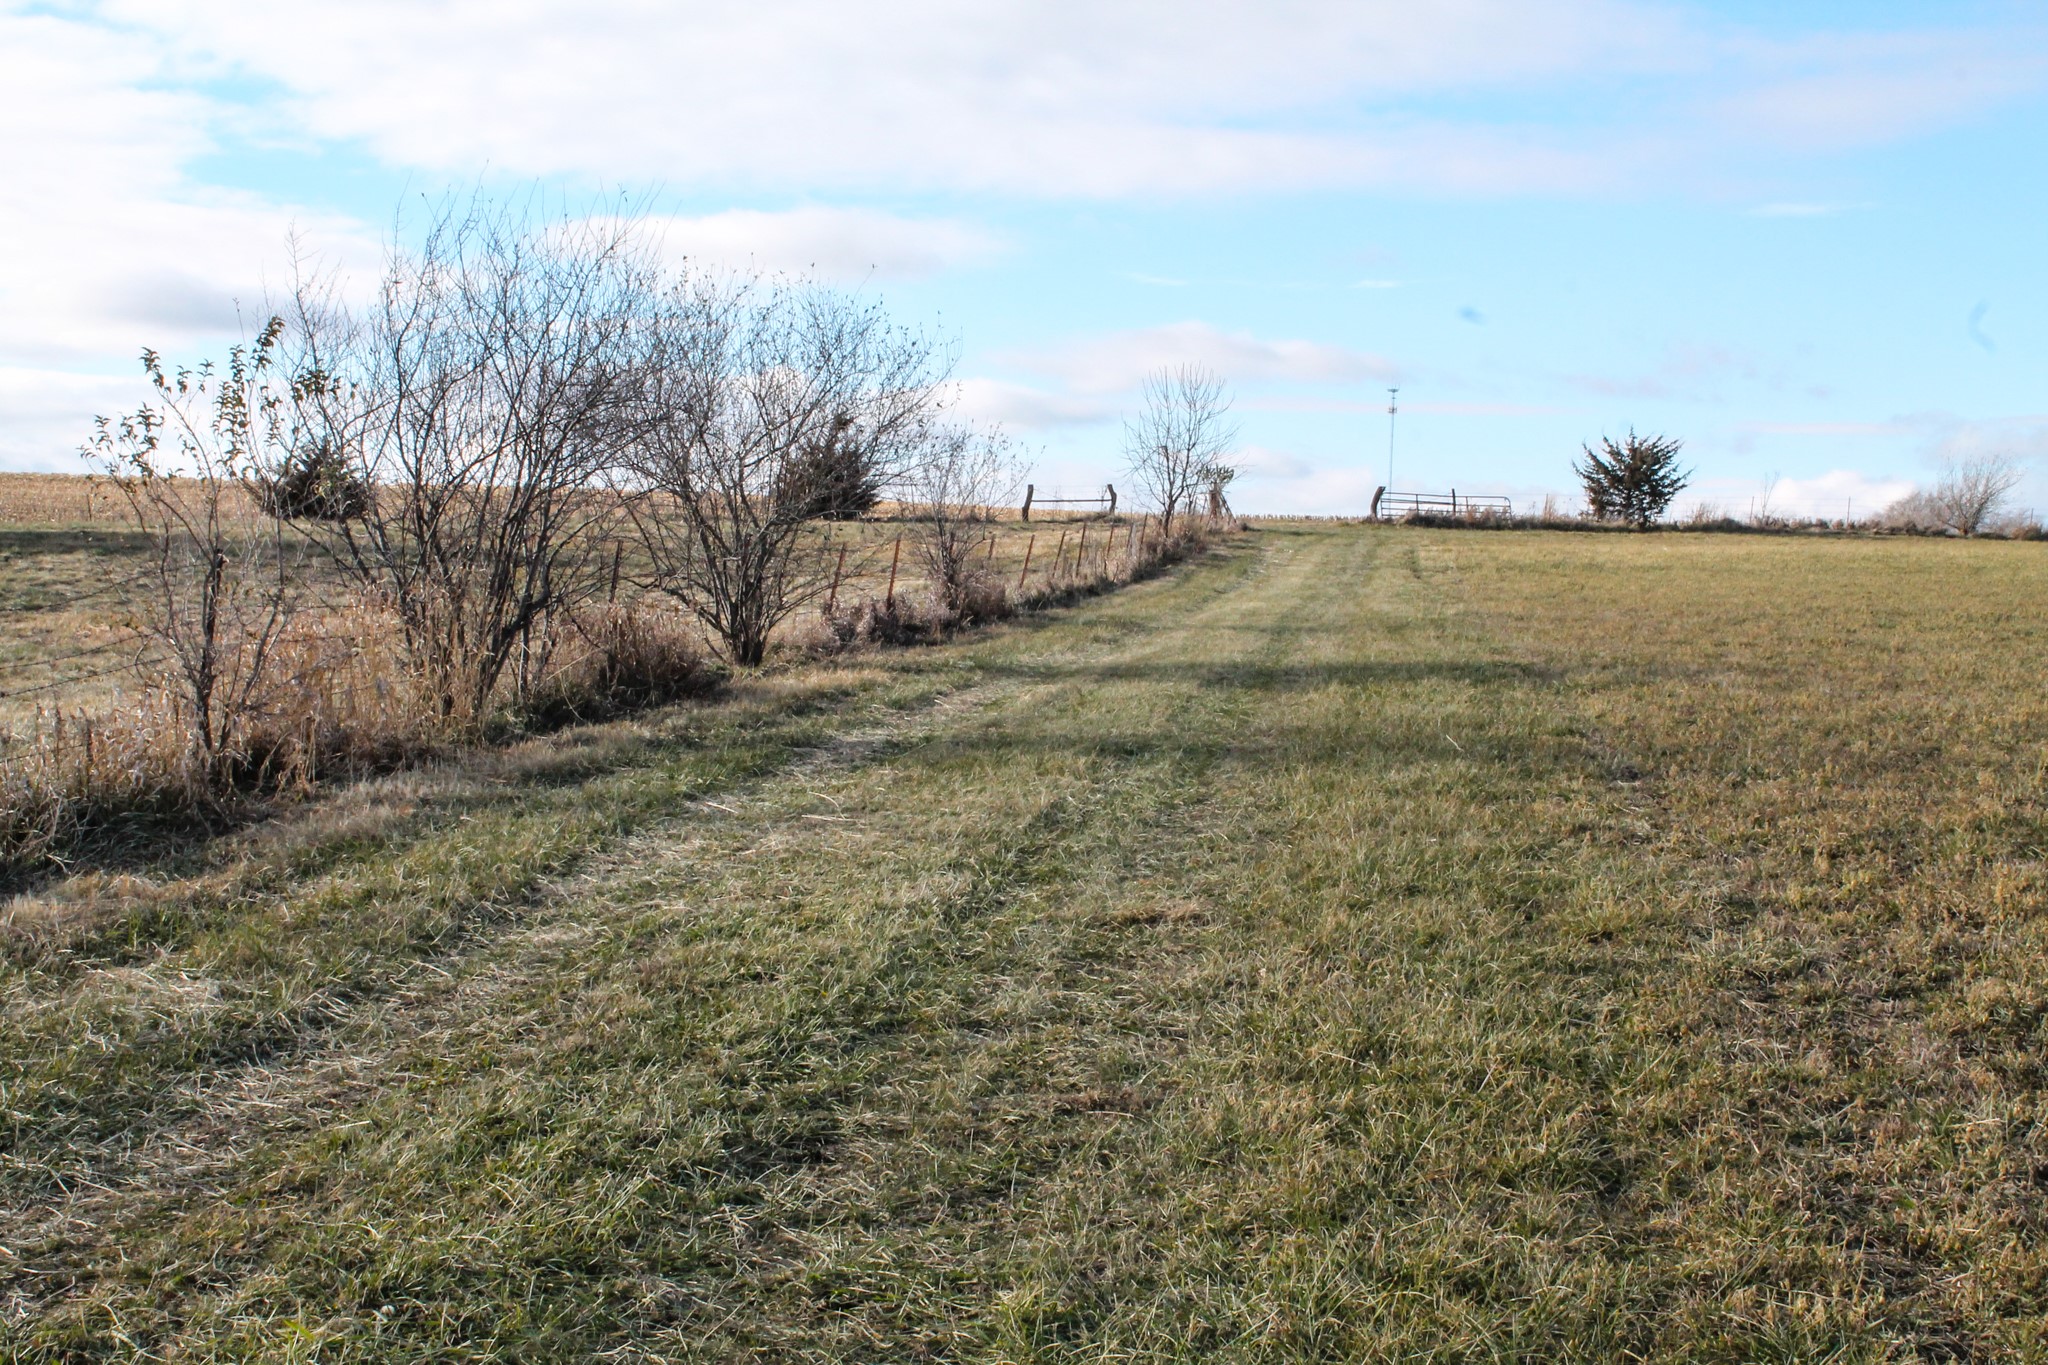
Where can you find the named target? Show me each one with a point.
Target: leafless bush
(480, 400)
(1973, 490)
(1176, 445)
(961, 476)
(1914, 512)
(755, 391)
(223, 579)
(1706, 514)
(1970, 496)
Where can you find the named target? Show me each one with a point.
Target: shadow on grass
(16, 540)
(1267, 678)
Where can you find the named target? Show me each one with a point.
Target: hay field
(1367, 943)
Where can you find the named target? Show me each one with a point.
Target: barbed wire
(56, 683)
(52, 660)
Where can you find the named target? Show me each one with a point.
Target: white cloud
(1259, 463)
(2020, 438)
(1838, 492)
(1066, 96)
(1831, 495)
(46, 415)
(1019, 405)
(1312, 491)
(835, 243)
(106, 245)
(1061, 96)
(1121, 360)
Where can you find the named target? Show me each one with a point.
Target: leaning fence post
(832, 597)
(1029, 489)
(1027, 562)
(618, 553)
(889, 602)
(1112, 497)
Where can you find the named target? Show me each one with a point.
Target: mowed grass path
(1367, 945)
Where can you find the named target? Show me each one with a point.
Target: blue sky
(1809, 240)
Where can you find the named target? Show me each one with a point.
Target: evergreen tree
(1633, 481)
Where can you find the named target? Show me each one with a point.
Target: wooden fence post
(1027, 562)
(832, 597)
(1029, 489)
(889, 602)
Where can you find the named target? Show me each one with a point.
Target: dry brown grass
(90, 733)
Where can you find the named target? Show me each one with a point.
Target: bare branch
(1176, 446)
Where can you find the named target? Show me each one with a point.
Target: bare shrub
(223, 578)
(962, 475)
(480, 400)
(747, 382)
(1974, 490)
(1916, 511)
(1176, 445)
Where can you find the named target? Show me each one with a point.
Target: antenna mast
(1392, 405)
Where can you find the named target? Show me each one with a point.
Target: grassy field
(1365, 944)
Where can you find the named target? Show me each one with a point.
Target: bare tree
(478, 403)
(223, 576)
(758, 395)
(1176, 446)
(1973, 490)
(963, 475)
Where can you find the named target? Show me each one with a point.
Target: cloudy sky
(1814, 247)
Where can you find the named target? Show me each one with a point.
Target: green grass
(1367, 944)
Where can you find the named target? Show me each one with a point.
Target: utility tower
(1393, 396)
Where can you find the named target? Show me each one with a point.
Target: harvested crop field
(1365, 943)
